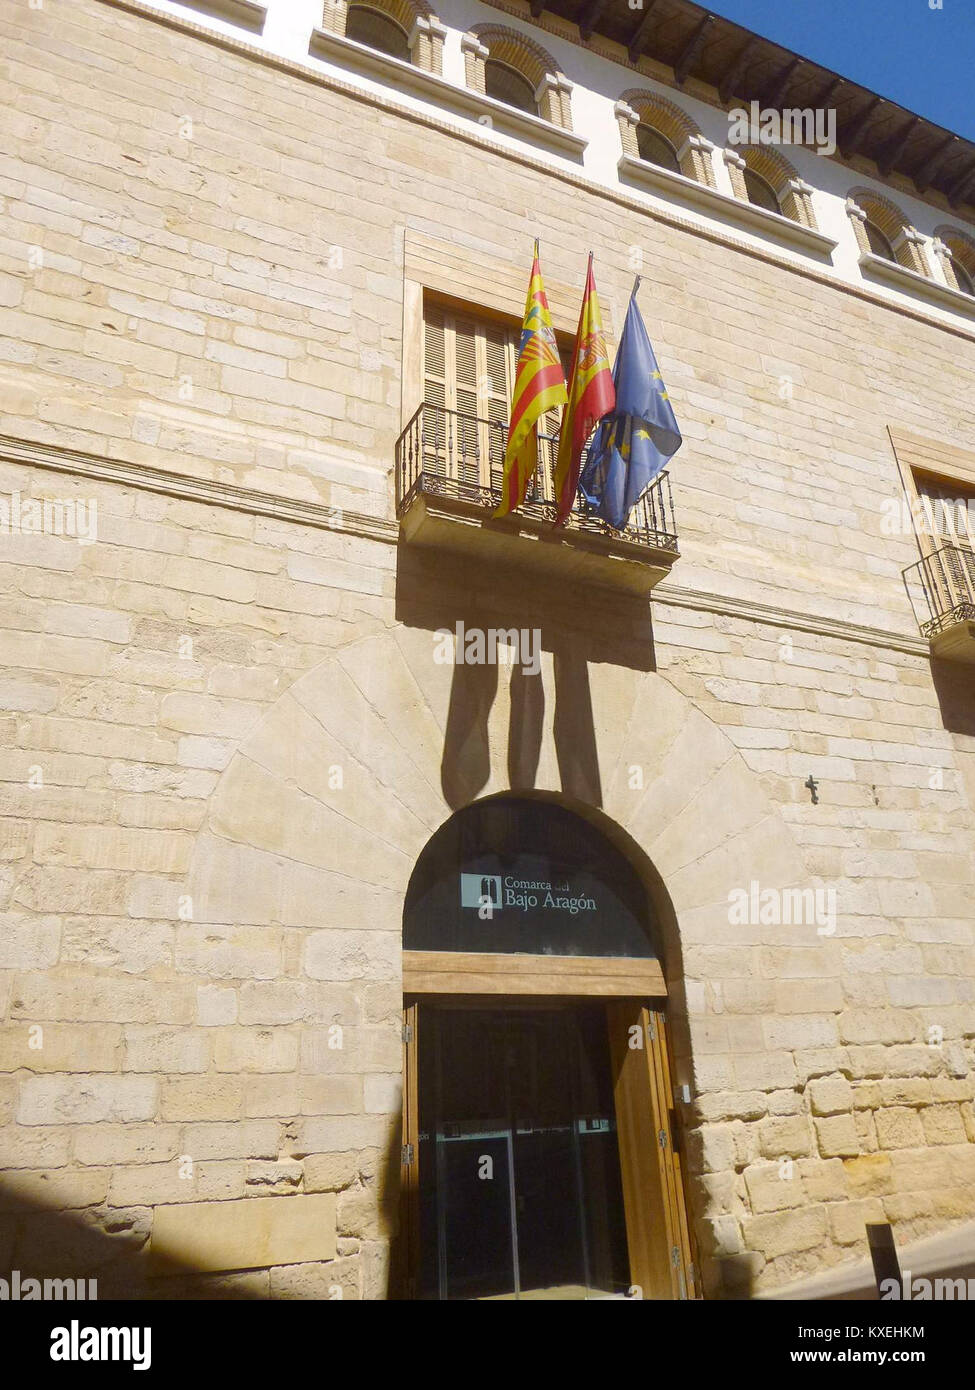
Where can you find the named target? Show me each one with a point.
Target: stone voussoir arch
(317, 822)
(322, 812)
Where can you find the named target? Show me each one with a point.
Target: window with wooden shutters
(469, 369)
(946, 530)
(948, 511)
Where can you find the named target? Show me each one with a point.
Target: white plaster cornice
(307, 73)
(245, 13)
(899, 277)
(655, 179)
(462, 101)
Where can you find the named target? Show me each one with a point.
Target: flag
(591, 396)
(539, 386)
(635, 442)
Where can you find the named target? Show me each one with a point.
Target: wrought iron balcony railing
(942, 589)
(447, 454)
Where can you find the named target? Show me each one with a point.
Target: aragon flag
(539, 386)
(591, 396)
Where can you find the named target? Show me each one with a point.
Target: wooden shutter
(434, 389)
(500, 359)
(653, 1197)
(469, 376)
(467, 442)
(949, 511)
(947, 536)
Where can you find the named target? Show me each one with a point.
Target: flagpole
(636, 285)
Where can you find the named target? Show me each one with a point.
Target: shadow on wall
(111, 1246)
(104, 1245)
(956, 696)
(441, 592)
(956, 700)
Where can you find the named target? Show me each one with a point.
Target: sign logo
(480, 890)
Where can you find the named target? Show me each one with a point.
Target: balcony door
(947, 538)
(469, 366)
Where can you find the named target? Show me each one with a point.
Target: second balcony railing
(942, 589)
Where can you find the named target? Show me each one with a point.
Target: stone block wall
(201, 274)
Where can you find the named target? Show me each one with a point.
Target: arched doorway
(540, 1155)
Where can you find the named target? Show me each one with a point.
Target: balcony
(448, 485)
(942, 590)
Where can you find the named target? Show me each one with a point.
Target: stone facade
(226, 740)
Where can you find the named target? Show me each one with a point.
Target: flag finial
(636, 285)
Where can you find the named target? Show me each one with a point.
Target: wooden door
(653, 1196)
(409, 1206)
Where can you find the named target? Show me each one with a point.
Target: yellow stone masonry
(224, 734)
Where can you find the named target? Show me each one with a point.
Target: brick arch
(960, 247)
(405, 12)
(665, 116)
(794, 195)
(416, 17)
(906, 242)
(507, 45)
(637, 106)
(880, 210)
(771, 164)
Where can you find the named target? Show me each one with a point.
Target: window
(763, 177)
(760, 191)
(377, 30)
(656, 148)
(507, 844)
(965, 282)
(963, 277)
(948, 510)
(508, 67)
(503, 83)
(883, 231)
(468, 376)
(659, 132)
(878, 243)
(405, 30)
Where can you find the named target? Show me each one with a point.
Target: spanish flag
(591, 396)
(539, 386)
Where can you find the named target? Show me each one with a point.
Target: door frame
(648, 1128)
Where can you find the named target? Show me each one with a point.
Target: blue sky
(923, 59)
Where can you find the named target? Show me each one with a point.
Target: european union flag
(635, 442)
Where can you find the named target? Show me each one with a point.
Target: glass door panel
(519, 1166)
